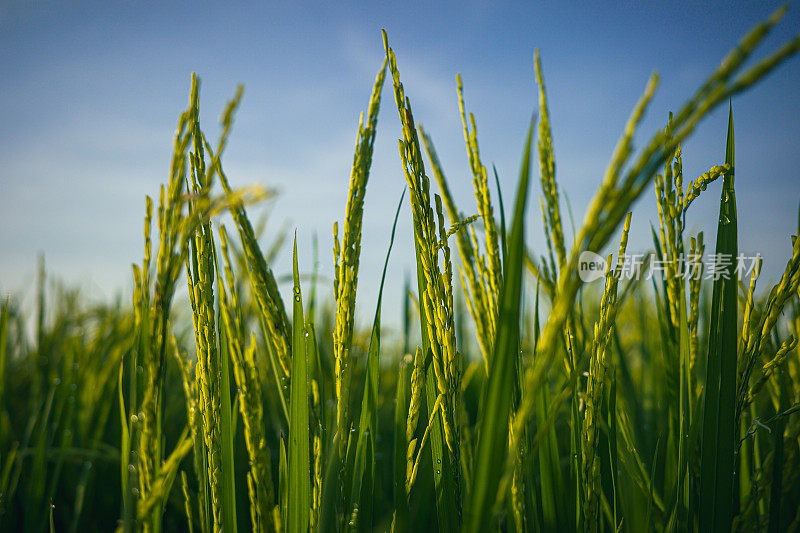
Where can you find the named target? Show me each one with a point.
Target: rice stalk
(436, 310)
(273, 320)
(346, 256)
(208, 372)
(245, 372)
(152, 333)
(596, 383)
(547, 169)
(472, 282)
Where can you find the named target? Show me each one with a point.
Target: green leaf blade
(719, 428)
(299, 477)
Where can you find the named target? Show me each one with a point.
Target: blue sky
(91, 92)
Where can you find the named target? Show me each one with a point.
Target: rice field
(517, 398)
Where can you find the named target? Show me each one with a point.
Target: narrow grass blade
(298, 474)
(650, 499)
(776, 490)
(502, 215)
(368, 421)
(719, 430)
(400, 518)
(363, 486)
(283, 481)
(328, 514)
(611, 421)
(492, 448)
(549, 465)
(125, 452)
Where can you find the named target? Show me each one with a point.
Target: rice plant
(664, 405)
